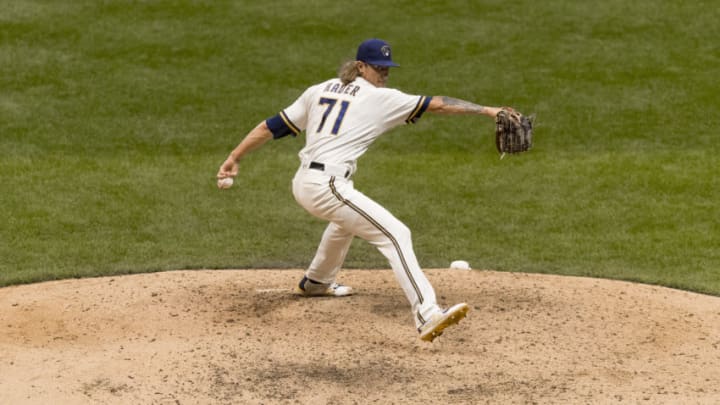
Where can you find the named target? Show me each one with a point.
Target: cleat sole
(455, 318)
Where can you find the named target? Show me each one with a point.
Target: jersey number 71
(330, 102)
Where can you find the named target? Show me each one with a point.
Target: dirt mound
(242, 337)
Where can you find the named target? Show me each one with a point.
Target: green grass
(114, 116)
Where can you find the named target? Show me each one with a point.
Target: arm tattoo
(458, 106)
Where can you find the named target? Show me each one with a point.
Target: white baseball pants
(333, 198)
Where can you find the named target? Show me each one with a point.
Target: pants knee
(401, 233)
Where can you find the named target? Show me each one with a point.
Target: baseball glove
(513, 131)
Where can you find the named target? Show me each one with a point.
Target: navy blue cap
(375, 52)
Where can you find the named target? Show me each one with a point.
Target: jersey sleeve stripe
(289, 123)
(420, 108)
(281, 126)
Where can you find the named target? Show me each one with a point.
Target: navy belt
(321, 167)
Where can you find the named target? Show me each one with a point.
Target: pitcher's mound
(242, 337)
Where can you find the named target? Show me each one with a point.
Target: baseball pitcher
(341, 118)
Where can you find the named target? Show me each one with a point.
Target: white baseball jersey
(341, 122)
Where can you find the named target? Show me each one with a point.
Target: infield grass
(114, 116)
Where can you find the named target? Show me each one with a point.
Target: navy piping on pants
(386, 233)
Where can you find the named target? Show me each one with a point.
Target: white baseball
(460, 265)
(227, 182)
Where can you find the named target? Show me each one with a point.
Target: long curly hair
(348, 71)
